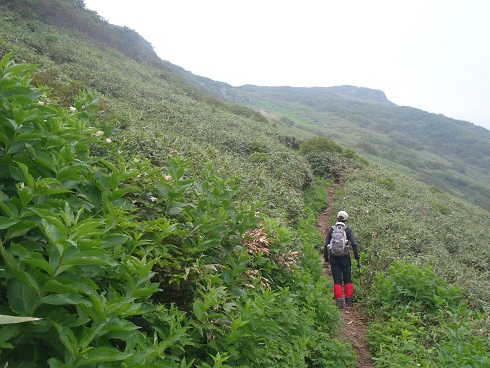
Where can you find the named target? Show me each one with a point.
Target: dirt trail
(353, 320)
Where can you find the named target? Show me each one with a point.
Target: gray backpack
(339, 245)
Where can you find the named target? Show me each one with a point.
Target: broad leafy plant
(62, 256)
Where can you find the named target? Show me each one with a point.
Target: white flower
(40, 103)
(72, 109)
(99, 133)
(153, 199)
(108, 140)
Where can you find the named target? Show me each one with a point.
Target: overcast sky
(433, 55)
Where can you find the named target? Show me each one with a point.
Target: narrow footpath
(353, 320)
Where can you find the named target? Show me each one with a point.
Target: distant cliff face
(361, 93)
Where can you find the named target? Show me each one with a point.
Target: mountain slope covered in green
(147, 222)
(452, 154)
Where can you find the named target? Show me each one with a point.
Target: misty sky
(429, 54)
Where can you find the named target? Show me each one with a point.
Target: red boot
(337, 291)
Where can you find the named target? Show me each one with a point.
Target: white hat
(342, 215)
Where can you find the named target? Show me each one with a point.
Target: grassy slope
(151, 111)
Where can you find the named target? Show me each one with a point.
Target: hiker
(340, 238)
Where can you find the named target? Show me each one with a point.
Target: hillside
(145, 221)
(451, 154)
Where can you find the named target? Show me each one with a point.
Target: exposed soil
(353, 319)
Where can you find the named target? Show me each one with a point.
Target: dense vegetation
(149, 224)
(135, 270)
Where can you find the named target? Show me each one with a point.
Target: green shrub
(412, 288)
(327, 165)
(421, 320)
(319, 145)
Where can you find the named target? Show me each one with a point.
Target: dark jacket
(350, 237)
